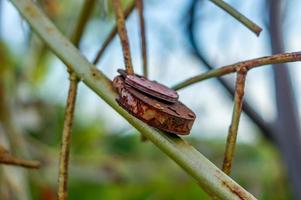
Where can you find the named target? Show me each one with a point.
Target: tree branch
(248, 64)
(82, 21)
(209, 177)
(9, 160)
(287, 124)
(232, 134)
(69, 113)
(6, 158)
(140, 8)
(238, 16)
(196, 50)
(123, 37)
(66, 139)
(112, 34)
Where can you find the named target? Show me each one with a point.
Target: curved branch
(248, 64)
(265, 128)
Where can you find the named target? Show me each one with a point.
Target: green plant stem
(112, 34)
(232, 134)
(123, 37)
(238, 16)
(70, 105)
(209, 177)
(248, 64)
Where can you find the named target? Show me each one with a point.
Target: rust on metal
(151, 88)
(172, 117)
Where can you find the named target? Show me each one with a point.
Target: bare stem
(238, 16)
(112, 34)
(123, 37)
(6, 158)
(66, 139)
(9, 160)
(248, 64)
(140, 8)
(232, 134)
(69, 113)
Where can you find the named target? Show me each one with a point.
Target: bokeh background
(185, 38)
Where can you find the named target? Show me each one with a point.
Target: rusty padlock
(153, 103)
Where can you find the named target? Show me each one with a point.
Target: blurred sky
(224, 40)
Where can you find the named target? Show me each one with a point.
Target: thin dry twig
(6, 158)
(66, 138)
(9, 160)
(112, 34)
(82, 21)
(248, 64)
(140, 8)
(238, 16)
(198, 51)
(232, 134)
(69, 113)
(123, 37)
